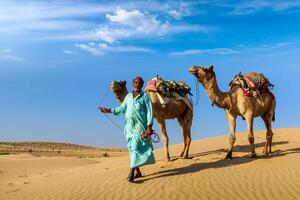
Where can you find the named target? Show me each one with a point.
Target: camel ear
(211, 68)
(124, 82)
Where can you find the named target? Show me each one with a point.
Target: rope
(112, 121)
(155, 138)
(197, 93)
(103, 97)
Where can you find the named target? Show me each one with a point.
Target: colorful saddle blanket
(253, 84)
(168, 87)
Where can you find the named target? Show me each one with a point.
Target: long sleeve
(149, 110)
(121, 109)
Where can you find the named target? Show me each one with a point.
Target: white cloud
(110, 35)
(215, 51)
(115, 21)
(70, 52)
(12, 58)
(6, 50)
(7, 54)
(44, 25)
(281, 6)
(15, 10)
(91, 49)
(184, 9)
(176, 14)
(142, 22)
(250, 7)
(102, 48)
(135, 23)
(240, 49)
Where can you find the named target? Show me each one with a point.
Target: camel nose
(193, 70)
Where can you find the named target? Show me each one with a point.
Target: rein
(101, 100)
(197, 93)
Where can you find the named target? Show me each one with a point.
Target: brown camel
(173, 109)
(236, 103)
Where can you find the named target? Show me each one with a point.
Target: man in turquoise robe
(137, 107)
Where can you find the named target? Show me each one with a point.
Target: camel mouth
(193, 70)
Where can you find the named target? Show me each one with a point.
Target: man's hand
(145, 136)
(104, 110)
(149, 130)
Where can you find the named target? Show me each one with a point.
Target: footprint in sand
(16, 190)
(26, 183)
(11, 184)
(23, 176)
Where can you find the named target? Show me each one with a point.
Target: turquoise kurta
(138, 115)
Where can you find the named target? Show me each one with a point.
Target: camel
(174, 109)
(235, 103)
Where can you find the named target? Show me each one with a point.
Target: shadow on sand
(196, 167)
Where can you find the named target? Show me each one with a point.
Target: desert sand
(206, 175)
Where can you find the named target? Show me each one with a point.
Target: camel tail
(273, 118)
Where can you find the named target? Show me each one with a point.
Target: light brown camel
(173, 109)
(235, 103)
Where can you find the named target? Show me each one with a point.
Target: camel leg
(165, 138)
(267, 118)
(188, 140)
(232, 125)
(249, 120)
(188, 120)
(183, 129)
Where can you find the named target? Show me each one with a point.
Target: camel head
(203, 74)
(119, 89)
(118, 85)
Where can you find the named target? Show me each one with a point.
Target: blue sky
(57, 59)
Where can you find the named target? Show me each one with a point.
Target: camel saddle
(253, 84)
(167, 89)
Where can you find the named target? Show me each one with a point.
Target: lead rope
(103, 97)
(197, 93)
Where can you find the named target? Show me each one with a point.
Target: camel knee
(269, 136)
(188, 141)
(231, 139)
(165, 140)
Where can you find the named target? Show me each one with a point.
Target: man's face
(137, 85)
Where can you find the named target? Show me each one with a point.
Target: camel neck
(221, 99)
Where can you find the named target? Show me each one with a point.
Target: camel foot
(167, 159)
(265, 154)
(184, 157)
(228, 155)
(253, 155)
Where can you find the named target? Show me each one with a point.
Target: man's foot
(130, 178)
(138, 175)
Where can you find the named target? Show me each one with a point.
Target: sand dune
(205, 176)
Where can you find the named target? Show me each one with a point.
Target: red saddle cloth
(151, 86)
(248, 92)
(253, 83)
